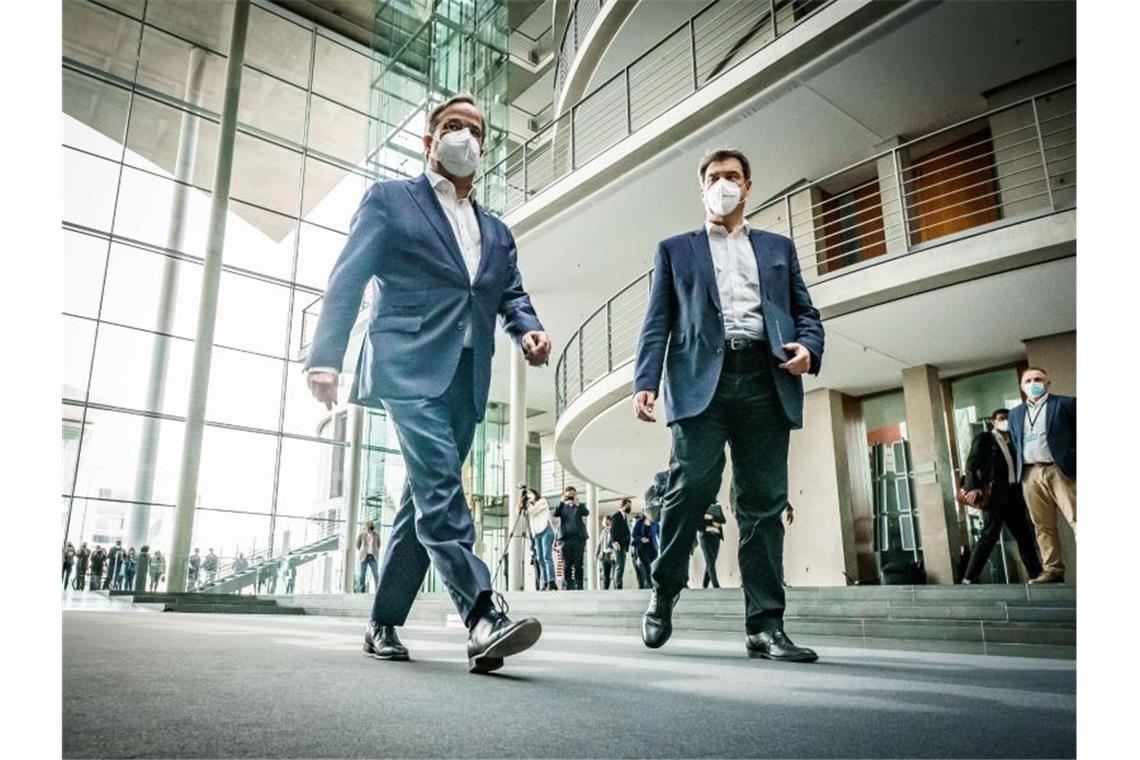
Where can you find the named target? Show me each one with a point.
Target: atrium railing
(531, 49)
(722, 35)
(1006, 165)
(582, 15)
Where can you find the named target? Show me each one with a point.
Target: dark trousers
(745, 412)
(573, 552)
(710, 547)
(433, 525)
(644, 561)
(96, 580)
(66, 574)
(619, 567)
(1007, 509)
(607, 570)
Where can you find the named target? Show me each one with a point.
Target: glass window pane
(319, 249)
(84, 258)
(342, 74)
(265, 174)
(237, 470)
(278, 46)
(303, 485)
(338, 131)
(304, 415)
(134, 289)
(260, 241)
(94, 115)
(332, 194)
(100, 38)
(108, 463)
(89, 192)
(206, 23)
(229, 533)
(133, 8)
(272, 106)
(146, 205)
(123, 366)
(252, 314)
(245, 389)
(168, 65)
(78, 341)
(157, 130)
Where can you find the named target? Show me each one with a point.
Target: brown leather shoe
(1049, 576)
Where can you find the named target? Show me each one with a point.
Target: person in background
(241, 564)
(98, 560)
(210, 565)
(68, 563)
(620, 538)
(645, 538)
(291, 576)
(192, 574)
(571, 515)
(82, 558)
(113, 560)
(604, 554)
(368, 544)
(141, 569)
(157, 569)
(1044, 433)
(538, 516)
(709, 538)
(989, 466)
(130, 564)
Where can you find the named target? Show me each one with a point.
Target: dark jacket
(571, 521)
(986, 465)
(1060, 433)
(619, 530)
(641, 530)
(97, 560)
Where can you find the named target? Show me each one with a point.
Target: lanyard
(1034, 417)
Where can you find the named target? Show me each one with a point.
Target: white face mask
(1001, 426)
(458, 152)
(722, 197)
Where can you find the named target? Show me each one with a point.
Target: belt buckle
(737, 344)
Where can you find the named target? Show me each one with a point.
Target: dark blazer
(985, 464)
(401, 242)
(619, 530)
(1060, 433)
(685, 312)
(571, 521)
(641, 530)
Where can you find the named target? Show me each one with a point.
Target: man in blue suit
(732, 326)
(442, 269)
(1044, 434)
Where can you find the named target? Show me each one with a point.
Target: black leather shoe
(381, 642)
(775, 645)
(657, 625)
(494, 636)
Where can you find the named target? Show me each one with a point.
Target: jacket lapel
(482, 217)
(763, 263)
(424, 195)
(703, 254)
(1051, 408)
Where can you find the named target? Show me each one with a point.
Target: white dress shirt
(460, 215)
(738, 280)
(1035, 445)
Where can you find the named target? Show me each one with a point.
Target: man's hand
(790, 514)
(643, 402)
(536, 347)
(617, 546)
(800, 361)
(323, 385)
(972, 497)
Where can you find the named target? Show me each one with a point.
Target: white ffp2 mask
(458, 152)
(722, 197)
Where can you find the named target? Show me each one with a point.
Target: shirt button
(720, 350)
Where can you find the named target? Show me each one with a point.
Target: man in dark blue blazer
(731, 325)
(1043, 430)
(442, 269)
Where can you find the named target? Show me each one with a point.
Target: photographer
(538, 515)
(571, 515)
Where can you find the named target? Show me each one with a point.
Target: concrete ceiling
(924, 67)
(867, 351)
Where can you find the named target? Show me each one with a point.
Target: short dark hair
(723, 155)
(626, 500)
(437, 113)
(996, 412)
(569, 488)
(1033, 369)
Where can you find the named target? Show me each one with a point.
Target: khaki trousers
(1046, 490)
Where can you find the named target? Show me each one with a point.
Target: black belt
(744, 344)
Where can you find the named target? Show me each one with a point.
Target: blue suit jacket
(685, 311)
(1060, 433)
(400, 240)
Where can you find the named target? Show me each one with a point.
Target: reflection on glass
(265, 174)
(272, 106)
(94, 114)
(203, 23)
(278, 46)
(338, 131)
(166, 65)
(154, 137)
(100, 38)
(341, 74)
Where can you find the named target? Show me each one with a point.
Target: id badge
(1030, 437)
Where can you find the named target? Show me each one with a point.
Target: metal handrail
(985, 182)
(570, 35)
(617, 108)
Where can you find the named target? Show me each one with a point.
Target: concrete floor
(175, 685)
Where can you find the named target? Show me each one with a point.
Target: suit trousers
(1007, 509)
(746, 413)
(619, 567)
(710, 548)
(433, 525)
(1046, 490)
(573, 553)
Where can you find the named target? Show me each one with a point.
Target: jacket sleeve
(515, 307)
(975, 464)
(809, 326)
(656, 326)
(353, 269)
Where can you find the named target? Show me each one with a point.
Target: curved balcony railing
(715, 40)
(581, 18)
(988, 171)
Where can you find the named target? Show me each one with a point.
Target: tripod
(526, 534)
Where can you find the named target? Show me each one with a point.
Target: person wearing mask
(210, 565)
(620, 538)
(98, 560)
(82, 559)
(142, 568)
(68, 563)
(990, 476)
(732, 354)
(709, 537)
(646, 546)
(604, 554)
(113, 562)
(195, 567)
(538, 518)
(571, 515)
(368, 544)
(442, 270)
(157, 569)
(130, 564)
(1043, 430)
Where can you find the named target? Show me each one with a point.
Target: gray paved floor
(169, 685)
